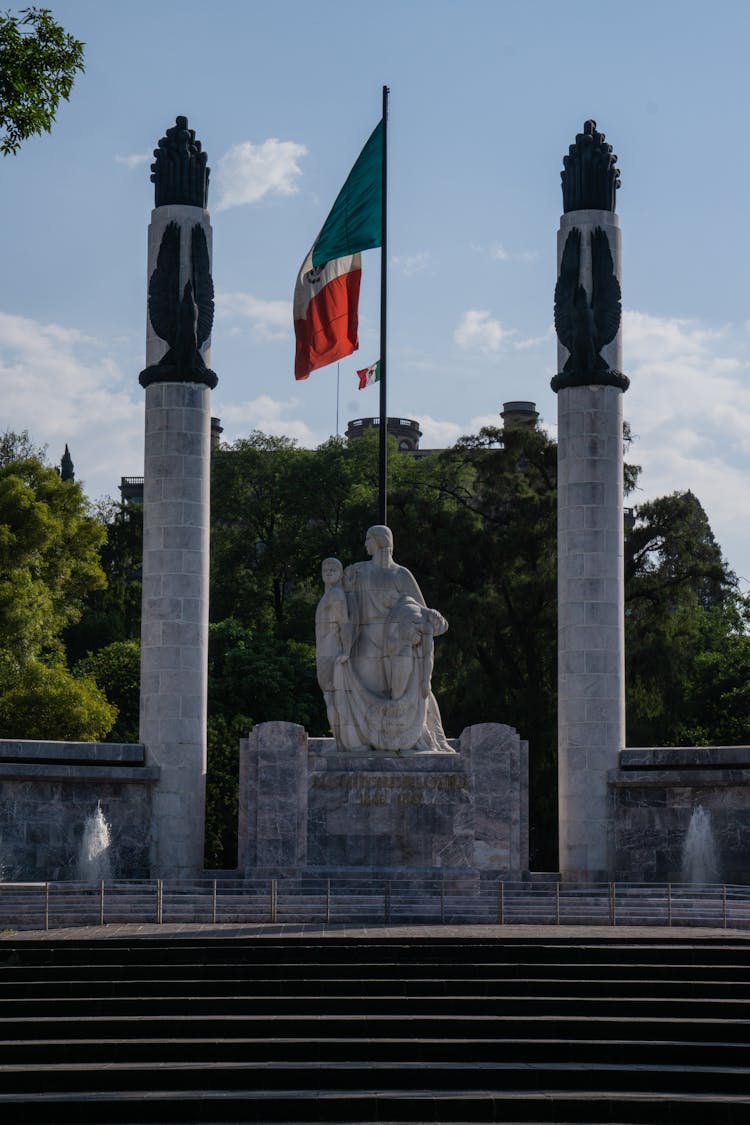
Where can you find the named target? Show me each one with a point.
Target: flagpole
(338, 367)
(383, 435)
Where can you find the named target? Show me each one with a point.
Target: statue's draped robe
(381, 693)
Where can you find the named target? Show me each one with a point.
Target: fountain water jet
(700, 857)
(94, 855)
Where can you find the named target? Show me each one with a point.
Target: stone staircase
(339, 1029)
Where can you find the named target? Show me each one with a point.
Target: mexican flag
(326, 296)
(369, 375)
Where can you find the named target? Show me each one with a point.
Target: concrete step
(385, 1049)
(371, 1074)
(544, 1107)
(369, 1026)
(360, 1031)
(449, 1006)
(683, 950)
(334, 986)
(260, 969)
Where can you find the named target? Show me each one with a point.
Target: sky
(485, 98)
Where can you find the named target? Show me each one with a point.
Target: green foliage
(38, 64)
(264, 677)
(717, 711)
(49, 563)
(19, 447)
(222, 781)
(476, 525)
(113, 612)
(116, 669)
(48, 557)
(276, 512)
(681, 618)
(46, 701)
(488, 554)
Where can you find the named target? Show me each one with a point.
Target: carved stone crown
(180, 173)
(590, 177)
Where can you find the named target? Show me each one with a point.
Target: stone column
(174, 626)
(591, 651)
(591, 661)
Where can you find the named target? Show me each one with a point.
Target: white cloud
(134, 159)
(499, 252)
(481, 420)
(689, 408)
(59, 384)
(535, 341)
(479, 331)
(248, 172)
(436, 432)
(269, 415)
(410, 264)
(271, 320)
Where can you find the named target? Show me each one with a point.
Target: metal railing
(350, 901)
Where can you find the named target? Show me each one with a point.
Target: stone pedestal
(305, 807)
(591, 650)
(174, 627)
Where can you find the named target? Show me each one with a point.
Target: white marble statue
(375, 645)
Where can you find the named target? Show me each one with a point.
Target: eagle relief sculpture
(586, 322)
(183, 319)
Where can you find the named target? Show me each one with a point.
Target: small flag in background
(369, 375)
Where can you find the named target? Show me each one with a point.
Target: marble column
(591, 651)
(174, 626)
(591, 654)
(176, 512)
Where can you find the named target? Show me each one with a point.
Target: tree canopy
(49, 564)
(38, 64)
(476, 524)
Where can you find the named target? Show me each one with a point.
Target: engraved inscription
(384, 789)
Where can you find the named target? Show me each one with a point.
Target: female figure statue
(381, 697)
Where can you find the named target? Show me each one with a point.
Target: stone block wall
(47, 792)
(305, 806)
(655, 794)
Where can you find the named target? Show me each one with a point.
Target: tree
(45, 701)
(116, 669)
(263, 678)
(38, 64)
(259, 530)
(49, 556)
(19, 447)
(682, 609)
(488, 557)
(49, 563)
(222, 789)
(476, 525)
(253, 677)
(112, 612)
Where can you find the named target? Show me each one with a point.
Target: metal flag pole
(338, 369)
(383, 435)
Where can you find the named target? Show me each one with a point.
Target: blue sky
(485, 99)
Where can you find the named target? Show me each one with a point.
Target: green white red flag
(369, 375)
(326, 296)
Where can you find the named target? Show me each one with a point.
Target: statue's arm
(406, 583)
